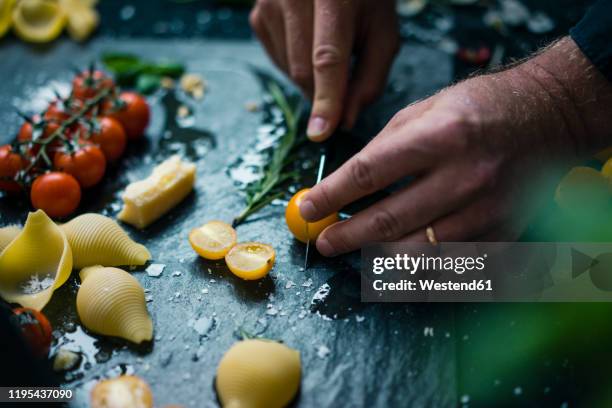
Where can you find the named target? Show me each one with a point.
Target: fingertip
(324, 247)
(319, 128)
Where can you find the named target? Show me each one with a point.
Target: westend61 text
(432, 285)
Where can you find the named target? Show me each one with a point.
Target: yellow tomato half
(213, 240)
(250, 260)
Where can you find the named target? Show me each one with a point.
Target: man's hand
(313, 42)
(476, 149)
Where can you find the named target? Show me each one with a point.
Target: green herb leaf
(130, 70)
(121, 62)
(147, 83)
(264, 191)
(170, 69)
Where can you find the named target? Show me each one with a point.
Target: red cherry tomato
(88, 84)
(10, 164)
(38, 130)
(35, 328)
(43, 129)
(87, 164)
(57, 194)
(110, 136)
(133, 116)
(478, 56)
(57, 112)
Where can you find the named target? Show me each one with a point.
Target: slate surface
(353, 354)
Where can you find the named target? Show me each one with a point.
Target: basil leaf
(117, 61)
(166, 68)
(147, 83)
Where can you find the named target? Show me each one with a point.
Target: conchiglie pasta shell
(110, 301)
(98, 240)
(123, 391)
(40, 252)
(258, 374)
(7, 234)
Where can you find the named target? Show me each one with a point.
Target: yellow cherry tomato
(302, 230)
(213, 240)
(606, 170)
(583, 189)
(250, 260)
(604, 154)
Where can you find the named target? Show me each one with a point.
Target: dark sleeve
(593, 34)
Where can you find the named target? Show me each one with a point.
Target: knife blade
(322, 159)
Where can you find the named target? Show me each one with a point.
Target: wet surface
(360, 354)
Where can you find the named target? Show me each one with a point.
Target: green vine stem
(57, 134)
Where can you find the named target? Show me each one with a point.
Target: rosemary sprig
(262, 192)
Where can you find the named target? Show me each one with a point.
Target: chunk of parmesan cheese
(147, 200)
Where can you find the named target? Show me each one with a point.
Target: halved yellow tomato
(213, 240)
(250, 260)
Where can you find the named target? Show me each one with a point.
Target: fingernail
(308, 210)
(325, 248)
(316, 127)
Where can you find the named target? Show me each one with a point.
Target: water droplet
(102, 356)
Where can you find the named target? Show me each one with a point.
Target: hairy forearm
(553, 104)
(580, 95)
